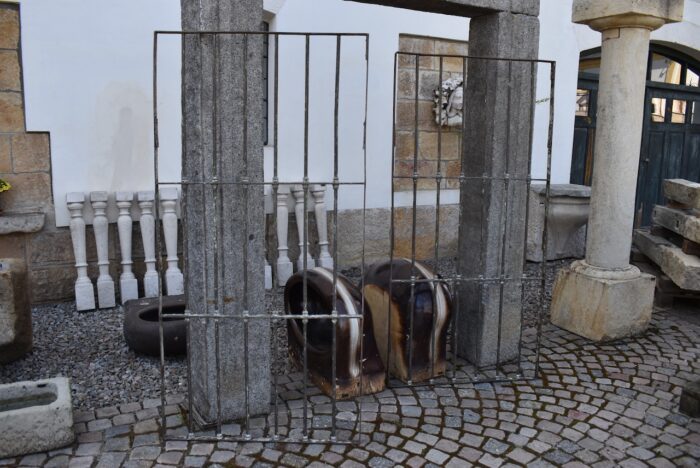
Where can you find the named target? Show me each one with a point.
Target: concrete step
(682, 191)
(682, 222)
(682, 268)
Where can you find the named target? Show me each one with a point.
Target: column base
(84, 295)
(105, 293)
(129, 289)
(174, 282)
(602, 305)
(268, 277)
(285, 270)
(150, 284)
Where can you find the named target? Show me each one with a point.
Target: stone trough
(35, 416)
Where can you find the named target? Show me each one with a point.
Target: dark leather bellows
(353, 376)
(411, 355)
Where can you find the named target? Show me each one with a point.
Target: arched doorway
(671, 135)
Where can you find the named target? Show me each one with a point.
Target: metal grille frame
(272, 432)
(461, 372)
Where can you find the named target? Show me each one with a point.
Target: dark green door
(670, 145)
(671, 132)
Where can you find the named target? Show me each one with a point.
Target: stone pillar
(604, 297)
(105, 283)
(223, 141)
(496, 144)
(128, 286)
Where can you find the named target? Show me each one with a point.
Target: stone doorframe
(503, 29)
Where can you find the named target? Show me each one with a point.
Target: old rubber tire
(141, 329)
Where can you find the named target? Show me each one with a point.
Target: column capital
(605, 14)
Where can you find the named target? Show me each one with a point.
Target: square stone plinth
(588, 11)
(602, 309)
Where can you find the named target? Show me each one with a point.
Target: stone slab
(562, 190)
(15, 311)
(590, 307)
(467, 8)
(683, 192)
(35, 416)
(587, 11)
(682, 268)
(21, 222)
(682, 222)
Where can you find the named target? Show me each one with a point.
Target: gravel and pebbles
(89, 348)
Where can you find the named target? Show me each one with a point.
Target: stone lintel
(606, 14)
(601, 309)
(466, 8)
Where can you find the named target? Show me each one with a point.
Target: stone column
(224, 223)
(604, 297)
(173, 275)
(285, 267)
(148, 236)
(324, 256)
(84, 290)
(496, 147)
(128, 286)
(299, 197)
(100, 226)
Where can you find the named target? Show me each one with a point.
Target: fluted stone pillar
(604, 297)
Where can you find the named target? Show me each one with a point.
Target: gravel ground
(90, 349)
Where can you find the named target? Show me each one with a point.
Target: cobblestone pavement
(594, 405)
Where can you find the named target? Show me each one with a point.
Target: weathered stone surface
(591, 307)
(9, 26)
(566, 229)
(682, 268)
(626, 12)
(40, 416)
(683, 191)
(243, 204)
(498, 131)
(15, 313)
(30, 152)
(9, 71)
(53, 283)
(11, 112)
(685, 223)
(30, 191)
(5, 154)
(21, 222)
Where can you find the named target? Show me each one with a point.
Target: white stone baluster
(268, 275)
(285, 269)
(148, 236)
(298, 192)
(84, 290)
(105, 284)
(174, 281)
(324, 257)
(128, 285)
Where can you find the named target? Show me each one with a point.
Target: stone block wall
(428, 77)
